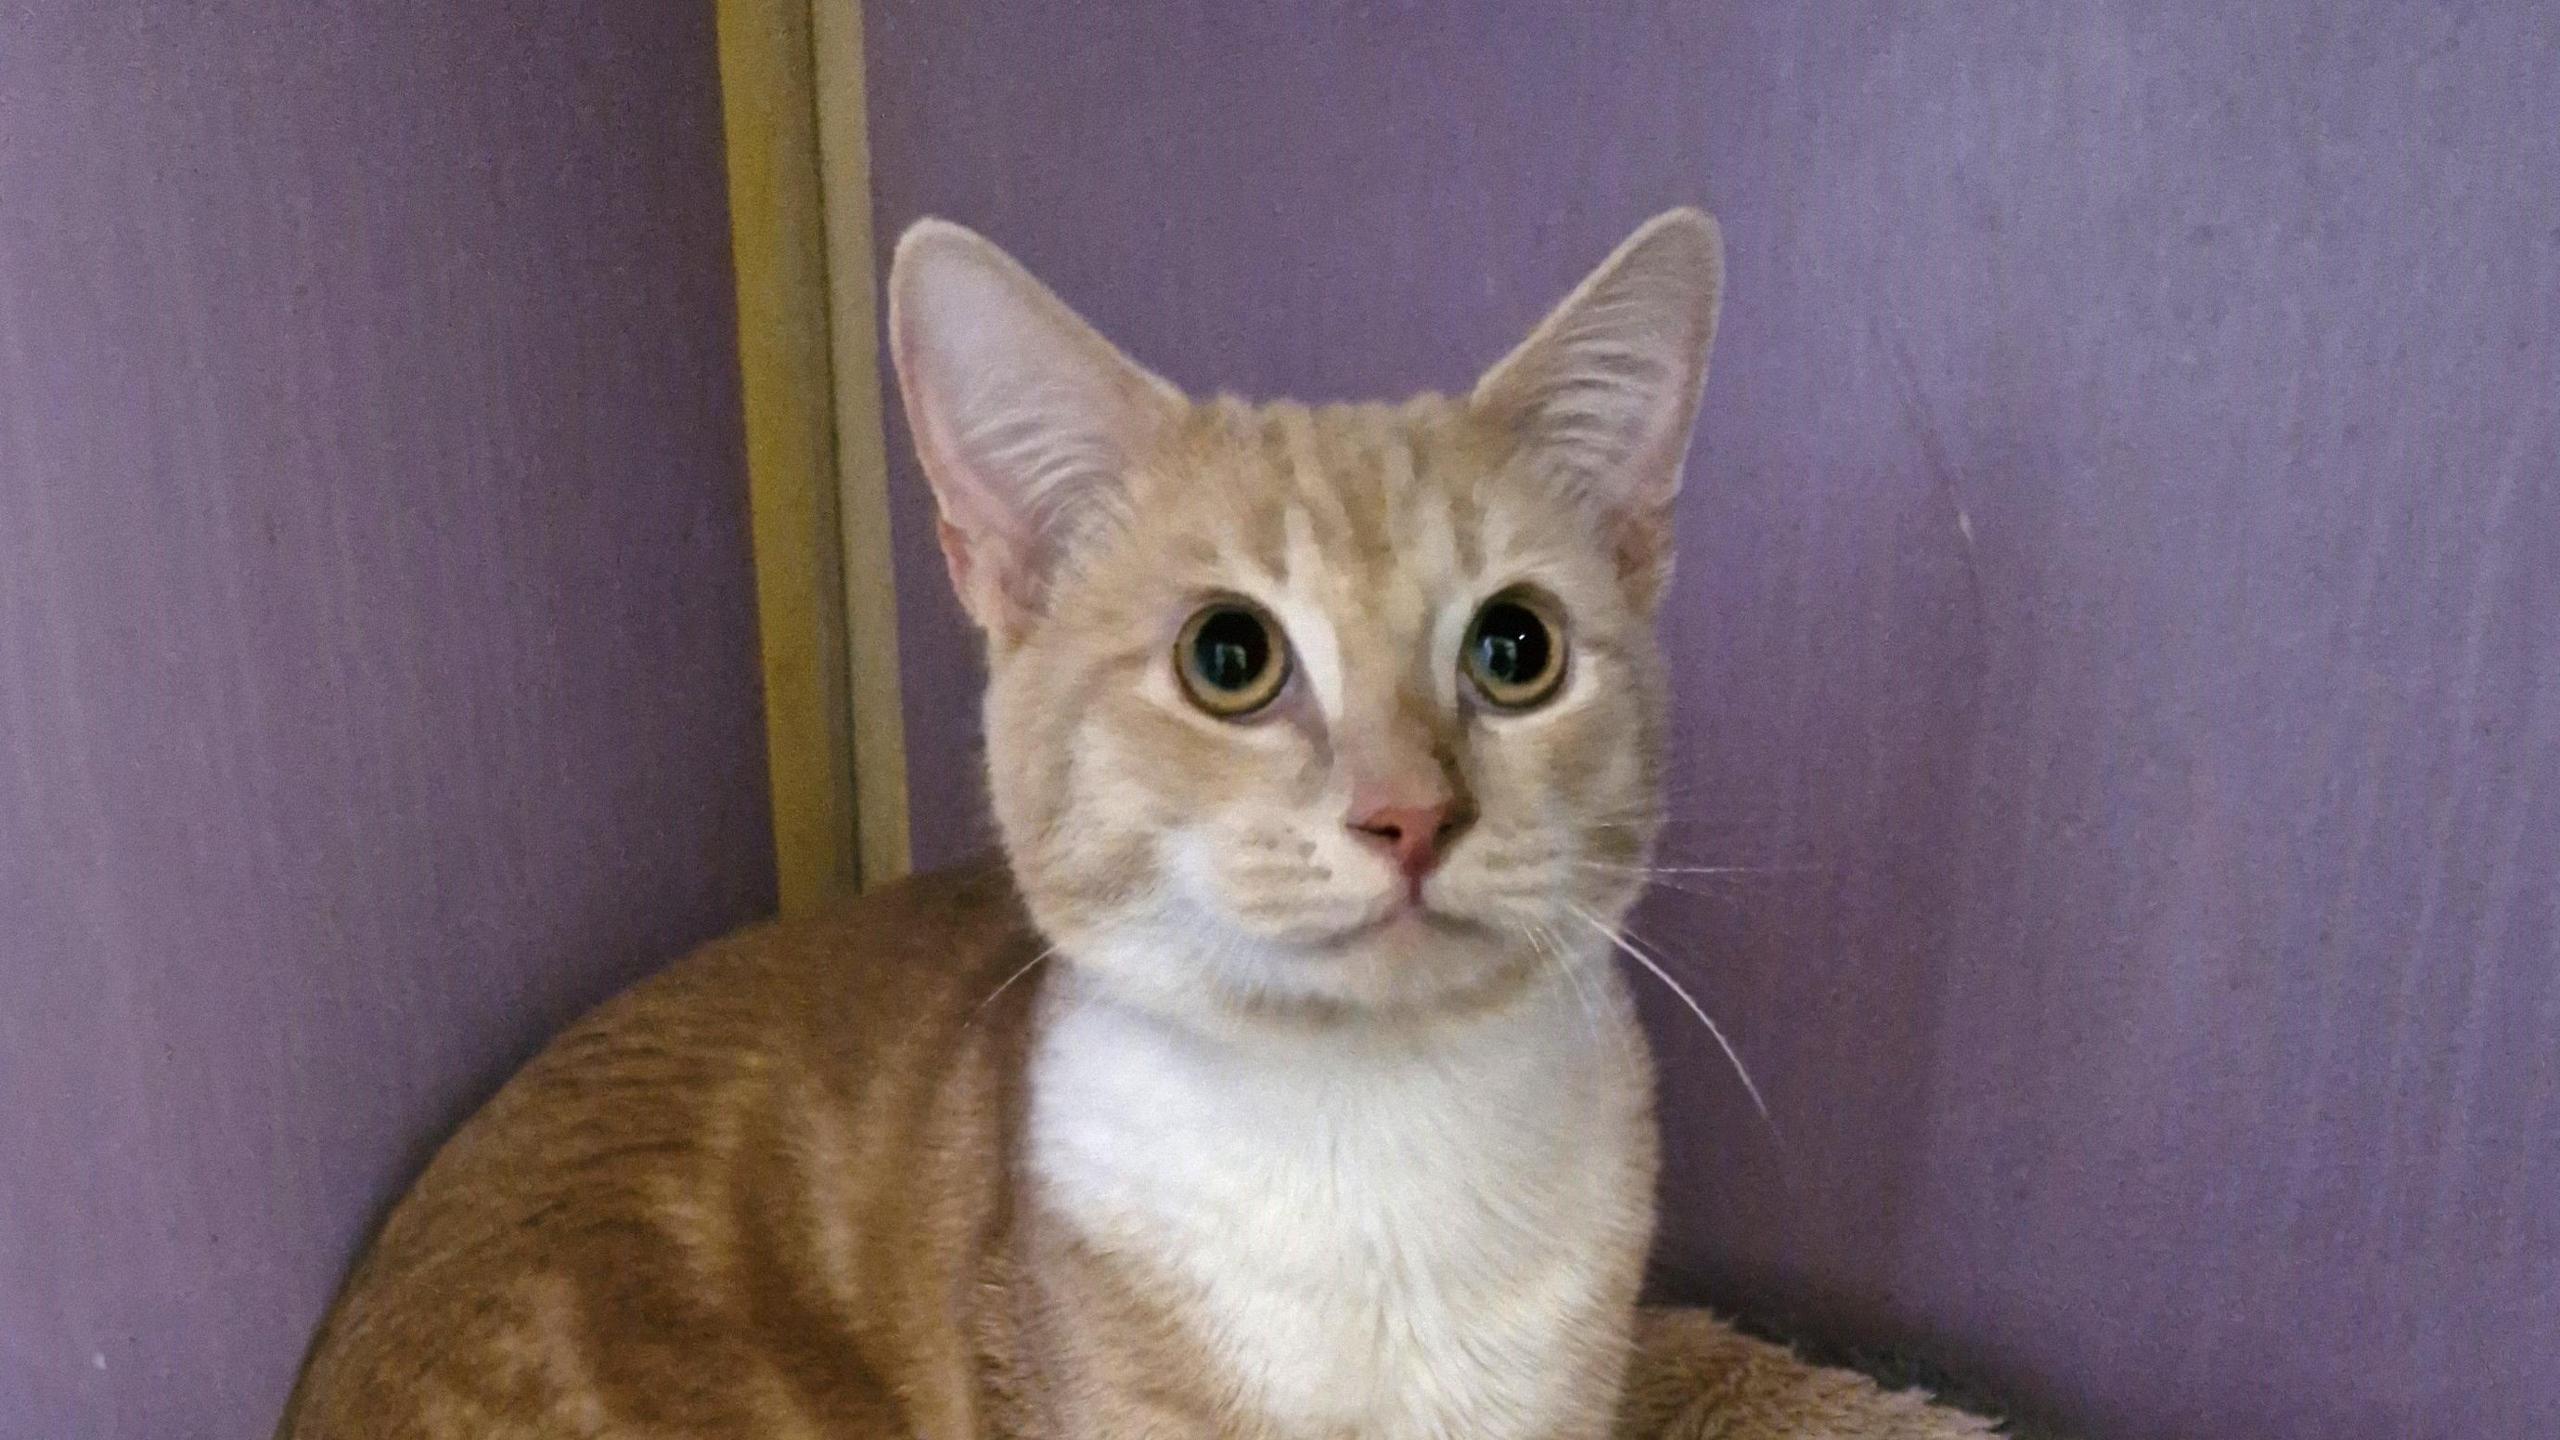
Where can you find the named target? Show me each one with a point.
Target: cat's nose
(1416, 836)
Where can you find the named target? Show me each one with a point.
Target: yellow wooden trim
(777, 229)
(862, 467)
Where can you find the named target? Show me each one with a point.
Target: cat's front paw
(1697, 1378)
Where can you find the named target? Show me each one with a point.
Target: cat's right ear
(1024, 416)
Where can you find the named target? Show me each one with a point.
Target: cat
(1278, 1084)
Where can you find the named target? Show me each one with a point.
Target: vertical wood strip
(777, 227)
(862, 468)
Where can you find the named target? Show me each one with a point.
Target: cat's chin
(1416, 966)
(1399, 964)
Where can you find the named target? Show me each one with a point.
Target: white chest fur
(1409, 1236)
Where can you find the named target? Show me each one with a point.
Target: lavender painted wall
(2122, 572)
(377, 666)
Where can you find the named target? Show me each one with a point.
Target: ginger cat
(1280, 1085)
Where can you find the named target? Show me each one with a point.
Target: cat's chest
(1383, 1243)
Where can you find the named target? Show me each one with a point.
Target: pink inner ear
(1645, 545)
(955, 554)
(1023, 415)
(994, 575)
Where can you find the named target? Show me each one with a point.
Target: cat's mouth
(1407, 915)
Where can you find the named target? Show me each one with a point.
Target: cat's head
(1314, 712)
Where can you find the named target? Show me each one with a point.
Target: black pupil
(1511, 644)
(1230, 650)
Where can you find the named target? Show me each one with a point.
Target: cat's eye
(1232, 659)
(1515, 652)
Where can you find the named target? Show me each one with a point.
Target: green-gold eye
(1515, 652)
(1232, 659)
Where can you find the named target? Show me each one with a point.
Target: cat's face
(1314, 713)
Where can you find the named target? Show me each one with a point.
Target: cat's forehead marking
(1421, 523)
(1502, 546)
(1390, 513)
(1295, 482)
(1433, 546)
(1308, 609)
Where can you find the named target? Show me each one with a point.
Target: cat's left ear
(1602, 395)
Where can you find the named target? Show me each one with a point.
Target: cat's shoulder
(877, 987)
(909, 953)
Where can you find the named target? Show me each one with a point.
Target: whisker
(1027, 967)
(1633, 819)
(1726, 893)
(1710, 882)
(1701, 869)
(1648, 962)
(1550, 947)
(1625, 1046)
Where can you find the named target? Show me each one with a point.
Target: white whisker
(1027, 967)
(1725, 893)
(1647, 961)
(1551, 947)
(1711, 882)
(1699, 869)
(1736, 869)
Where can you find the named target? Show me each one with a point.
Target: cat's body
(837, 1177)
(1325, 748)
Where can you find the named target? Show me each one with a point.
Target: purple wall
(2123, 571)
(377, 662)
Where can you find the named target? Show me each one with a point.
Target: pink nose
(1416, 835)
